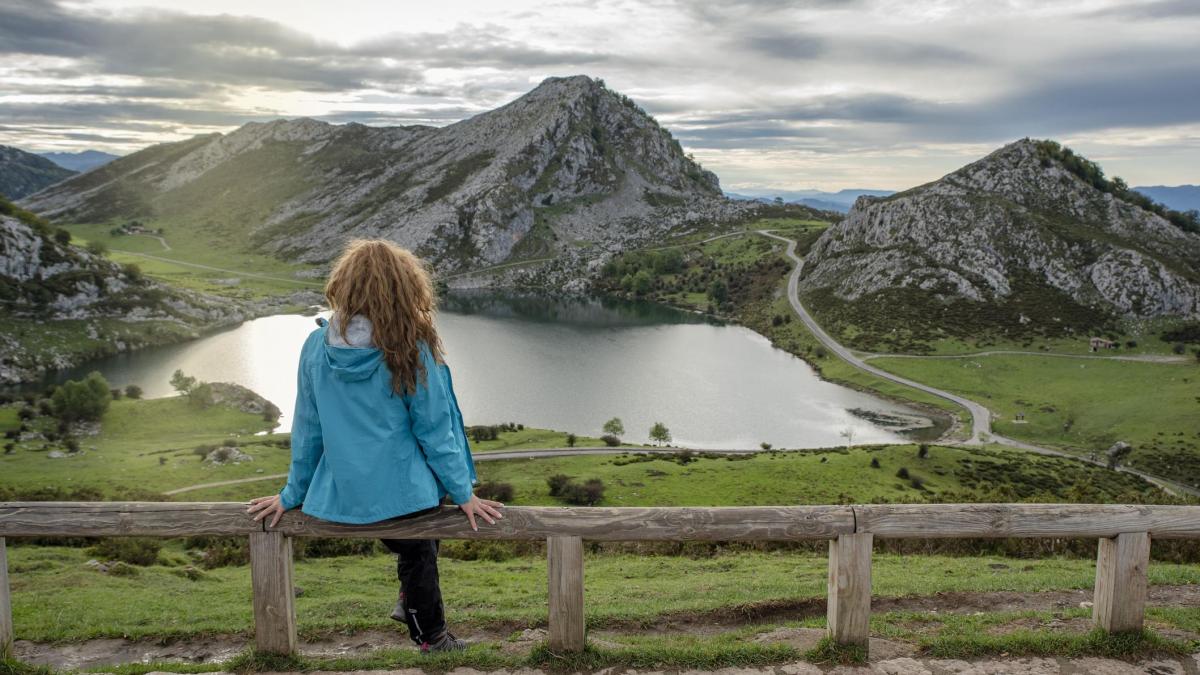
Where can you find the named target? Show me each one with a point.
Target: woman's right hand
(484, 508)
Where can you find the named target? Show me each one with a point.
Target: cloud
(743, 82)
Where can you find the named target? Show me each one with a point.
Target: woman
(377, 431)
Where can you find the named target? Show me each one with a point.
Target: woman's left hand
(263, 507)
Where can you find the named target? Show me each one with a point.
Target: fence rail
(1124, 533)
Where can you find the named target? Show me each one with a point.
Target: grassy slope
(201, 246)
(1082, 405)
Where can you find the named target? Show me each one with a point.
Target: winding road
(981, 417)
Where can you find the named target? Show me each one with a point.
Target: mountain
(63, 304)
(567, 164)
(24, 173)
(1178, 197)
(839, 201)
(84, 160)
(1030, 240)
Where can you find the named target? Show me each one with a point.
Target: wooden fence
(1124, 533)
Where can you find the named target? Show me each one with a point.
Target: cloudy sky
(770, 94)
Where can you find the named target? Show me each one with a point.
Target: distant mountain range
(568, 164)
(1030, 240)
(1179, 197)
(84, 160)
(23, 173)
(839, 201)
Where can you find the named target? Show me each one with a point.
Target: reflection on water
(564, 364)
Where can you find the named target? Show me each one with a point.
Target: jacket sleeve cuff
(287, 499)
(461, 494)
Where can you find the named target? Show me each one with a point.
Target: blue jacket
(362, 453)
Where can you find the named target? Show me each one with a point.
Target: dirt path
(240, 273)
(518, 638)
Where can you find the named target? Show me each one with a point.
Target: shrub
(26, 413)
(571, 439)
(902, 473)
(587, 494)
(333, 547)
(874, 462)
(122, 569)
(1179, 348)
(923, 451)
(917, 482)
(220, 551)
(130, 550)
(62, 236)
(201, 396)
(133, 391)
(820, 352)
(45, 407)
(479, 434)
(72, 444)
(501, 492)
(475, 549)
(85, 399)
(115, 393)
(610, 440)
(97, 247)
(556, 483)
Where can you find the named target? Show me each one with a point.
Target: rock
(56, 454)
(227, 454)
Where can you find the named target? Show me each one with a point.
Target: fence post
(1120, 597)
(566, 593)
(274, 599)
(849, 608)
(6, 621)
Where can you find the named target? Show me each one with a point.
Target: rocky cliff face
(1016, 238)
(569, 162)
(46, 283)
(23, 173)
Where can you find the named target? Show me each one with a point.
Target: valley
(932, 345)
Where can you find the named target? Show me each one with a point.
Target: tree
(62, 236)
(718, 292)
(615, 427)
(97, 247)
(642, 282)
(133, 391)
(571, 438)
(85, 399)
(659, 433)
(923, 451)
(848, 434)
(182, 383)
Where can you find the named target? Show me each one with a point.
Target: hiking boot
(400, 612)
(445, 643)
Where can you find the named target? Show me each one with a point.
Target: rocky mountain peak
(568, 163)
(1031, 232)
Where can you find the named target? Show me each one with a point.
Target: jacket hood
(353, 357)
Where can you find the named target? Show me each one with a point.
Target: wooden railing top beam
(779, 523)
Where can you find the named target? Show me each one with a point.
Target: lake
(567, 364)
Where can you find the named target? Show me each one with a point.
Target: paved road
(489, 456)
(981, 428)
(981, 420)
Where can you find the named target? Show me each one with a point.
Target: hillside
(83, 160)
(24, 173)
(1029, 241)
(571, 162)
(63, 304)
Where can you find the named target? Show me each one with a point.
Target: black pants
(420, 588)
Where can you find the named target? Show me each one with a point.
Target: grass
(202, 246)
(136, 437)
(1081, 405)
(56, 598)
